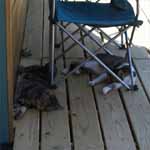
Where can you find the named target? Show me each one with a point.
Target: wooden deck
(89, 120)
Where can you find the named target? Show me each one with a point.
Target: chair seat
(101, 14)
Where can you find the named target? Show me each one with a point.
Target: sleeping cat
(33, 90)
(116, 63)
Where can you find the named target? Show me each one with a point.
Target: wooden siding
(13, 18)
(18, 18)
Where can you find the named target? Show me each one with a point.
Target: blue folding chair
(96, 15)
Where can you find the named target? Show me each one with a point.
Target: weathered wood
(34, 28)
(46, 30)
(18, 9)
(113, 119)
(55, 125)
(138, 109)
(27, 132)
(85, 123)
(143, 68)
(139, 52)
(85, 130)
(10, 68)
(114, 122)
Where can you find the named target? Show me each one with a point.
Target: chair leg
(51, 52)
(94, 56)
(129, 56)
(122, 45)
(57, 44)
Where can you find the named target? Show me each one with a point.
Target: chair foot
(57, 45)
(53, 86)
(122, 46)
(133, 88)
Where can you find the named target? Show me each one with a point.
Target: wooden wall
(15, 22)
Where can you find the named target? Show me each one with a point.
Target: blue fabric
(100, 14)
(121, 4)
(4, 115)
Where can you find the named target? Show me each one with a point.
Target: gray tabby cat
(33, 91)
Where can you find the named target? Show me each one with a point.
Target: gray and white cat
(118, 64)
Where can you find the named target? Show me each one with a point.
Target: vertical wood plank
(55, 125)
(143, 68)
(116, 129)
(138, 109)
(18, 10)
(85, 123)
(27, 132)
(10, 67)
(34, 29)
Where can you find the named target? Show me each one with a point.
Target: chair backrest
(53, 5)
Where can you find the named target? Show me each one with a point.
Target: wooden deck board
(116, 130)
(138, 109)
(143, 68)
(89, 120)
(55, 125)
(85, 124)
(27, 132)
(114, 122)
(34, 28)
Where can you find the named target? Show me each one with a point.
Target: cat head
(48, 102)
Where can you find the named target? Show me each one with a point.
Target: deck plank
(138, 109)
(34, 28)
(55, 125)
(85, 124)
(27, 129)
(139, 52)
(84, 129)
(116, 129)
(27, 132)
(143, 68)
(113, 119)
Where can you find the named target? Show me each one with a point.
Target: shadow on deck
(89, 120)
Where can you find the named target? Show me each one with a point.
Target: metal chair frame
(92, 55)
